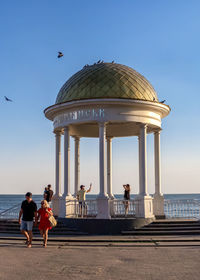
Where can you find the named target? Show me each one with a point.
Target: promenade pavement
(104, 257)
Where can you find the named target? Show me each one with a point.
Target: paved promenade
(100, 258)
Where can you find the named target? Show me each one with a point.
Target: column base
(144, 207)
(158, 206)
(111, 196)
(67, 206)
(103, 207)
(56, 204)
(111, 203)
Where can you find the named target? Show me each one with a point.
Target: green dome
(106, 80)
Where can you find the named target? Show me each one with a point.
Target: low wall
(105, 226)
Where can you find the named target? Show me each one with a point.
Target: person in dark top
(28, 212)
(127, 190)
(49, 194)
(45, 192)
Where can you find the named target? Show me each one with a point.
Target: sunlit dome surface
(106, 80)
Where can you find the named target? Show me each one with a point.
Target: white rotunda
(107, 100)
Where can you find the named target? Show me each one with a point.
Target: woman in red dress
(43, 214)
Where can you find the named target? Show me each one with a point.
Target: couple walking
(29, 212)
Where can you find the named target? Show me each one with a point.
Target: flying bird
(60, 54)
(162, 101)
(8, 99)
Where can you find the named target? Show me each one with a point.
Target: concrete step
(162, 232)
(13, 227)
(56, 230)
(175, 221)
(169, 228)
(64, 233)
(155, 224)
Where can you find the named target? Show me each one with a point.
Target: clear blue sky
(160, 39)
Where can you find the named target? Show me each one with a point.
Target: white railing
(182, 208)
(172, 208)
(87, 208)
(118, 208)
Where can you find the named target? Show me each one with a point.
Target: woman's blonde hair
(46, 204)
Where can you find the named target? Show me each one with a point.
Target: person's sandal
(44, 244)
(29, 245)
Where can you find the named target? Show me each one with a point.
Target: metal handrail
(9, 209)
(13, 211)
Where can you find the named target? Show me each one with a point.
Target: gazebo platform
(104, 226)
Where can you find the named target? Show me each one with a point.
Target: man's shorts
(26, 225)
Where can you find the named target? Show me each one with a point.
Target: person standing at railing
(48, 194)
(81, 198)
(45, 192)
(127, 190)
(28, 212)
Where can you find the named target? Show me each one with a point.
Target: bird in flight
(60, 54)
(162, 101)
(8, 99)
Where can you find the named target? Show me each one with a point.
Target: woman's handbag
(52, 221)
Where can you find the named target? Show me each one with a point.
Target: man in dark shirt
(28, 212)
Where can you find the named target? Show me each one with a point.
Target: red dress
(44, 219)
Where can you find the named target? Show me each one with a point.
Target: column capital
(109, 138)
(58, 133)
(157, 130)
(140, 124)
(102, 124)
(143, 125)
(76, 138)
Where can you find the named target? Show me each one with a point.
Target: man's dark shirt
(28, 210)
(49, 195)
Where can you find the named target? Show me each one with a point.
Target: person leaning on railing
(81, 197)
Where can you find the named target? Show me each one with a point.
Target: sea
(8, 201)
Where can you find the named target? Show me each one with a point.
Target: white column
(109, 167)
(66, 206)
(58, 163)
(143, 159)
(158, 203)
(143, 203)
(139, 161)
(157, 163)
(57, 195)
(66, 162)
(103, 205)
(77, 165)
(102, 171)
